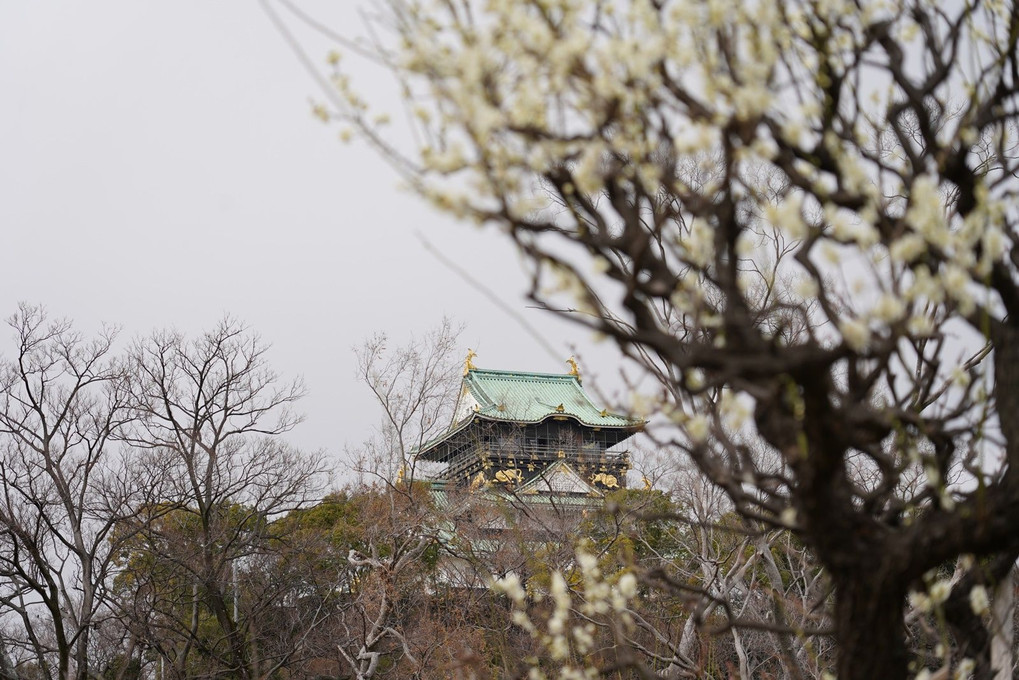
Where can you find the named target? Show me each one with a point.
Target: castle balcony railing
(522, 455)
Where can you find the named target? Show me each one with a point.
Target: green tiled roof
(517, 397)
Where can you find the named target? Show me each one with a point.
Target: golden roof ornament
(574, 369)
(479, 481)
(606, 480)
(511, 476)
(469, 361)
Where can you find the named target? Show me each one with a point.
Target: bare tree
(213, 412)
(393, 612)
(66, 486)
(415, 386)
(755, 584)
(886, 140)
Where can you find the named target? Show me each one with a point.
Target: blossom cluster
(568, 632)
(932, 601)
(523, 107)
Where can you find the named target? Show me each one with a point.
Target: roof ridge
(535, 374)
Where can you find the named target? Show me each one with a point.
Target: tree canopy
(799, 217)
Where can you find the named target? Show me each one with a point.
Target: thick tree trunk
(870, 628)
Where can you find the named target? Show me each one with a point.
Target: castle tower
(531, 433)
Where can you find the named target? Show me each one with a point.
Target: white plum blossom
(908, 248)
(510, 585)
(925, 287)
(736, 409)
(806, 287)
(960, 377)
(698, 427)
(627, 586)
(939, 591)
(920, 601)
(889, 308)
(964, 670)
(699, 243)
(856, 334)
(926, 214)
(587, 173)
(956, 281)
(788, 216)
(979, 601)
(788, 517)
(921, 325)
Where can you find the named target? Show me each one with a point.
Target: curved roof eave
(634, 426)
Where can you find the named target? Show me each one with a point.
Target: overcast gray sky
(160, 167)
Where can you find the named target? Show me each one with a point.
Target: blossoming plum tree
(800, 217)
